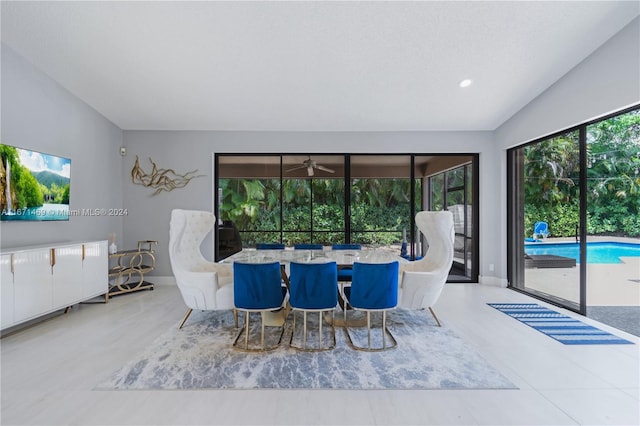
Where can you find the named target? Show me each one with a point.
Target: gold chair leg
(185, 318)
(262, 335)
(369, 329)
(293, 329)
(434, 316)
(246, 330)
(320, 327)
(304, 329)
(235, 318)
(393, 343)
(384, 329)
(303, 346)
(345, 302)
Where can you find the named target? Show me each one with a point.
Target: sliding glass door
(452, 190)
(613, 221)
(370, 199)
(546, 205)
(574, 217)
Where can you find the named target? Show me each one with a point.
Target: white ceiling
(345, 66)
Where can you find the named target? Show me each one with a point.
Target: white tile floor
(49, 371)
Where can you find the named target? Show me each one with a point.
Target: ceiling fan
(310, 165)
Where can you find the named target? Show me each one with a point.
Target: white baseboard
(493, 281)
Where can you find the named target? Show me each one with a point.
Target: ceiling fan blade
(325, 169)
(302, 166)
(310, 170)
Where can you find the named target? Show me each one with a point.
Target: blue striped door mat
(563, 328)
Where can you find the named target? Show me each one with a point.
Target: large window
(329, 199)
(583, 186)
(312, 199)
(548, 173)
(380, 200)
(250, 198)
(452, 190)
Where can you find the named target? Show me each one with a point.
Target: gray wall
(186, 150)
(39, 115)
(606, 81)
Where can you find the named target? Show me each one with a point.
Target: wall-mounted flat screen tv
(33, 185)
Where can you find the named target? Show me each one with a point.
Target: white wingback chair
(204, 285)
(422, 281)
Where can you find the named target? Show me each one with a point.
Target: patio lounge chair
(541, 229)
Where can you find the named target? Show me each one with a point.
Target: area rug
(200, 356)
(560, 327)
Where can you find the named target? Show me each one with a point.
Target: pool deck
(615, 284)
(590, 239)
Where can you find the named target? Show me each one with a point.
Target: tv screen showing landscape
(33, 185)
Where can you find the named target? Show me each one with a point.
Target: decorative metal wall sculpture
(161, 179)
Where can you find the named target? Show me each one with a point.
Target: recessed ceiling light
(465, 83)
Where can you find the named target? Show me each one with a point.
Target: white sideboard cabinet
(95, 269)
(38, 280)
(6, 290)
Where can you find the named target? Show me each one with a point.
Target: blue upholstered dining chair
(374, 288)
(269, 246)
(302, 246)
(313, 288)
(257, 288)
(275, 246)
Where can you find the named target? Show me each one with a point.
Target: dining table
(343, 258)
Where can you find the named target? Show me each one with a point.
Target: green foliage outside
(561, 217)
(551, 176)
(380, 210)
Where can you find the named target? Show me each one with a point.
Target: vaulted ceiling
(343, 66)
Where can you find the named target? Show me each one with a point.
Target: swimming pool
(602, 252)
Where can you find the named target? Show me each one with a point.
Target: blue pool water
(596, 252)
